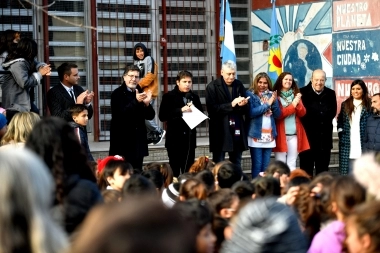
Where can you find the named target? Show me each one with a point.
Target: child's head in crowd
(155, 177)
(207, 178)
(165, 170)
(140, 224)
(79, 114)
(192, 188)
(138, 185)
(20, 127)
(228, 174)
(199, 213)
(280, 170)
(113, 172)
(363, 228)
(345, 194)
(202, 163)
(224, 203)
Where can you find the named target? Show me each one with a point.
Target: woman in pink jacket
(291, 137)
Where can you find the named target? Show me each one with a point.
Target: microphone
(188, 97)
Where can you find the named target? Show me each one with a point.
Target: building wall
(338, 36)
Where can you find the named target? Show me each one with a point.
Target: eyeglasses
(133, 76)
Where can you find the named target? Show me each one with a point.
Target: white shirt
(68, 89)
(355, 146)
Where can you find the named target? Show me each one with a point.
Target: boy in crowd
(79, 115)
(148, 81)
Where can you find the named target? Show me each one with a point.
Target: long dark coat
(219, 108)
(345, 140)
(177, 129)
(320, 112)
(128, 131)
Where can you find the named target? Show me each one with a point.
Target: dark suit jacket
(320, 111)
(59, 101)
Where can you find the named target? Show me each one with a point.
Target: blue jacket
(371, 140)
(255, 114)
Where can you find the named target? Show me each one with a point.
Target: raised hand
(148, 97)
(140, 96)
(45, 70)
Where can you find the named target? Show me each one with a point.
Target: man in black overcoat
(180, 139)
(321, 106)
(130, 108)
(226, 105)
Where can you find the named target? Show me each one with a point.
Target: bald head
(318, 80)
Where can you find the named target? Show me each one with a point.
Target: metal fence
(180, 35)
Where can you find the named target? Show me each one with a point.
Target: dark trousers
(320, 159)
(181, 159)
(235, 157)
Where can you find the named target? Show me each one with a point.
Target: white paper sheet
(193, 118)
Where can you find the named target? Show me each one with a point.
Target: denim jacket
(255, 114)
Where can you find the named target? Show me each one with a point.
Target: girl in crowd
(25, 197)
(291, 136)
(76, 192)
(19, 129)
(113, 171)
(25, 74)
(345, 194)
(165, 170)
(352, 122)
(202, 163)
(263, 110)
(200, 214)
(192, 188)
(363, 229)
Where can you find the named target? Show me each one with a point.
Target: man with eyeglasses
(320, 104)
(130, 107)
(226, 105)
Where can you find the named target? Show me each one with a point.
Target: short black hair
(138, 185)
(65, 69)
(228, 174)
(207, 178)
(155, 177)
(76, 109)
(196, 211)
(244, 189)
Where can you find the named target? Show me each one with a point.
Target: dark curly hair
(54, 140)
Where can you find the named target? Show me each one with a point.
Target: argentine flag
(228, 46)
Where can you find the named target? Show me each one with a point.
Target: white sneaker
(161, 136)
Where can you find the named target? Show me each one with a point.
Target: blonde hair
(20, 127)
(26, 196)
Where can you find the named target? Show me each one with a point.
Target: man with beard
(130, 107)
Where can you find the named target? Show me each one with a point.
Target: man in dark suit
(320, 104)
(68, 93)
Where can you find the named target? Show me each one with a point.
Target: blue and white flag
(228, 46)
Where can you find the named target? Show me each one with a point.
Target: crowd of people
(56, 198)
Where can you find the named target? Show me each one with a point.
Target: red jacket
(302, 142)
